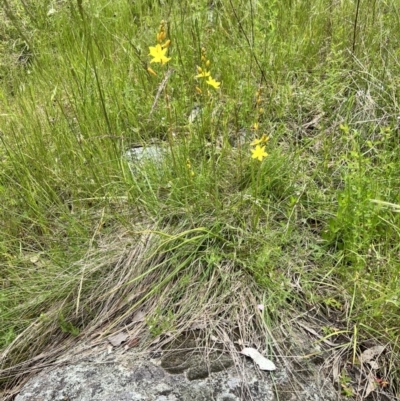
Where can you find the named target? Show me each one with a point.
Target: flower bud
(161, 36)
(166, 44)
(151, 71)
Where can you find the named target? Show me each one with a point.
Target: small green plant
(345, 384)
(66, 326)
(159, 323)
(357, 219)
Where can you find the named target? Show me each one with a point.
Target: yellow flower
(211, 81)
(202, 74)
(158, 54)
(263, 140)
(255, 126)
(259, 153)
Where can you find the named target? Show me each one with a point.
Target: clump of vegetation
(271, 175)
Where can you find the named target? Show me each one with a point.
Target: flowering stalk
(159, 55)
(205, 79)
(204, 72)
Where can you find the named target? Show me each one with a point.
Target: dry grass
(136, 273)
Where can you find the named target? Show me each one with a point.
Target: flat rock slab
(180, 371)
(142, 380)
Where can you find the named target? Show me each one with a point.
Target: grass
(205, 232)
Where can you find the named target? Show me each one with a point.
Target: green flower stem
(256, 215)
(169, 131)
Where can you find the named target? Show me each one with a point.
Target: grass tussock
(193, 160)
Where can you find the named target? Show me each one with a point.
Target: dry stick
(160, 89)
(355, 25)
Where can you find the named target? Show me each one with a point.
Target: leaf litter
(118, 339)
(262, 362)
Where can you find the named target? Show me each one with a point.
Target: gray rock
(141, 154)
(139, 379)
(178, 371)
(139, 157)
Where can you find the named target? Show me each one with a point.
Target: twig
(355, 25)
(160, 89)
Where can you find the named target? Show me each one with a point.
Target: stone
(133, 379)
(182, 370)
(138, 157)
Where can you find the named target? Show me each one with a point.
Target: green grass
(306, 228)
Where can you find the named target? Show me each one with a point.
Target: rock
(185, 368)
(140, 153)
(132, 378)
(177, 372)
(137, 157)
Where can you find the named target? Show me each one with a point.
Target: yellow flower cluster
(159, 51)
(259, 143)
(204, 72)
